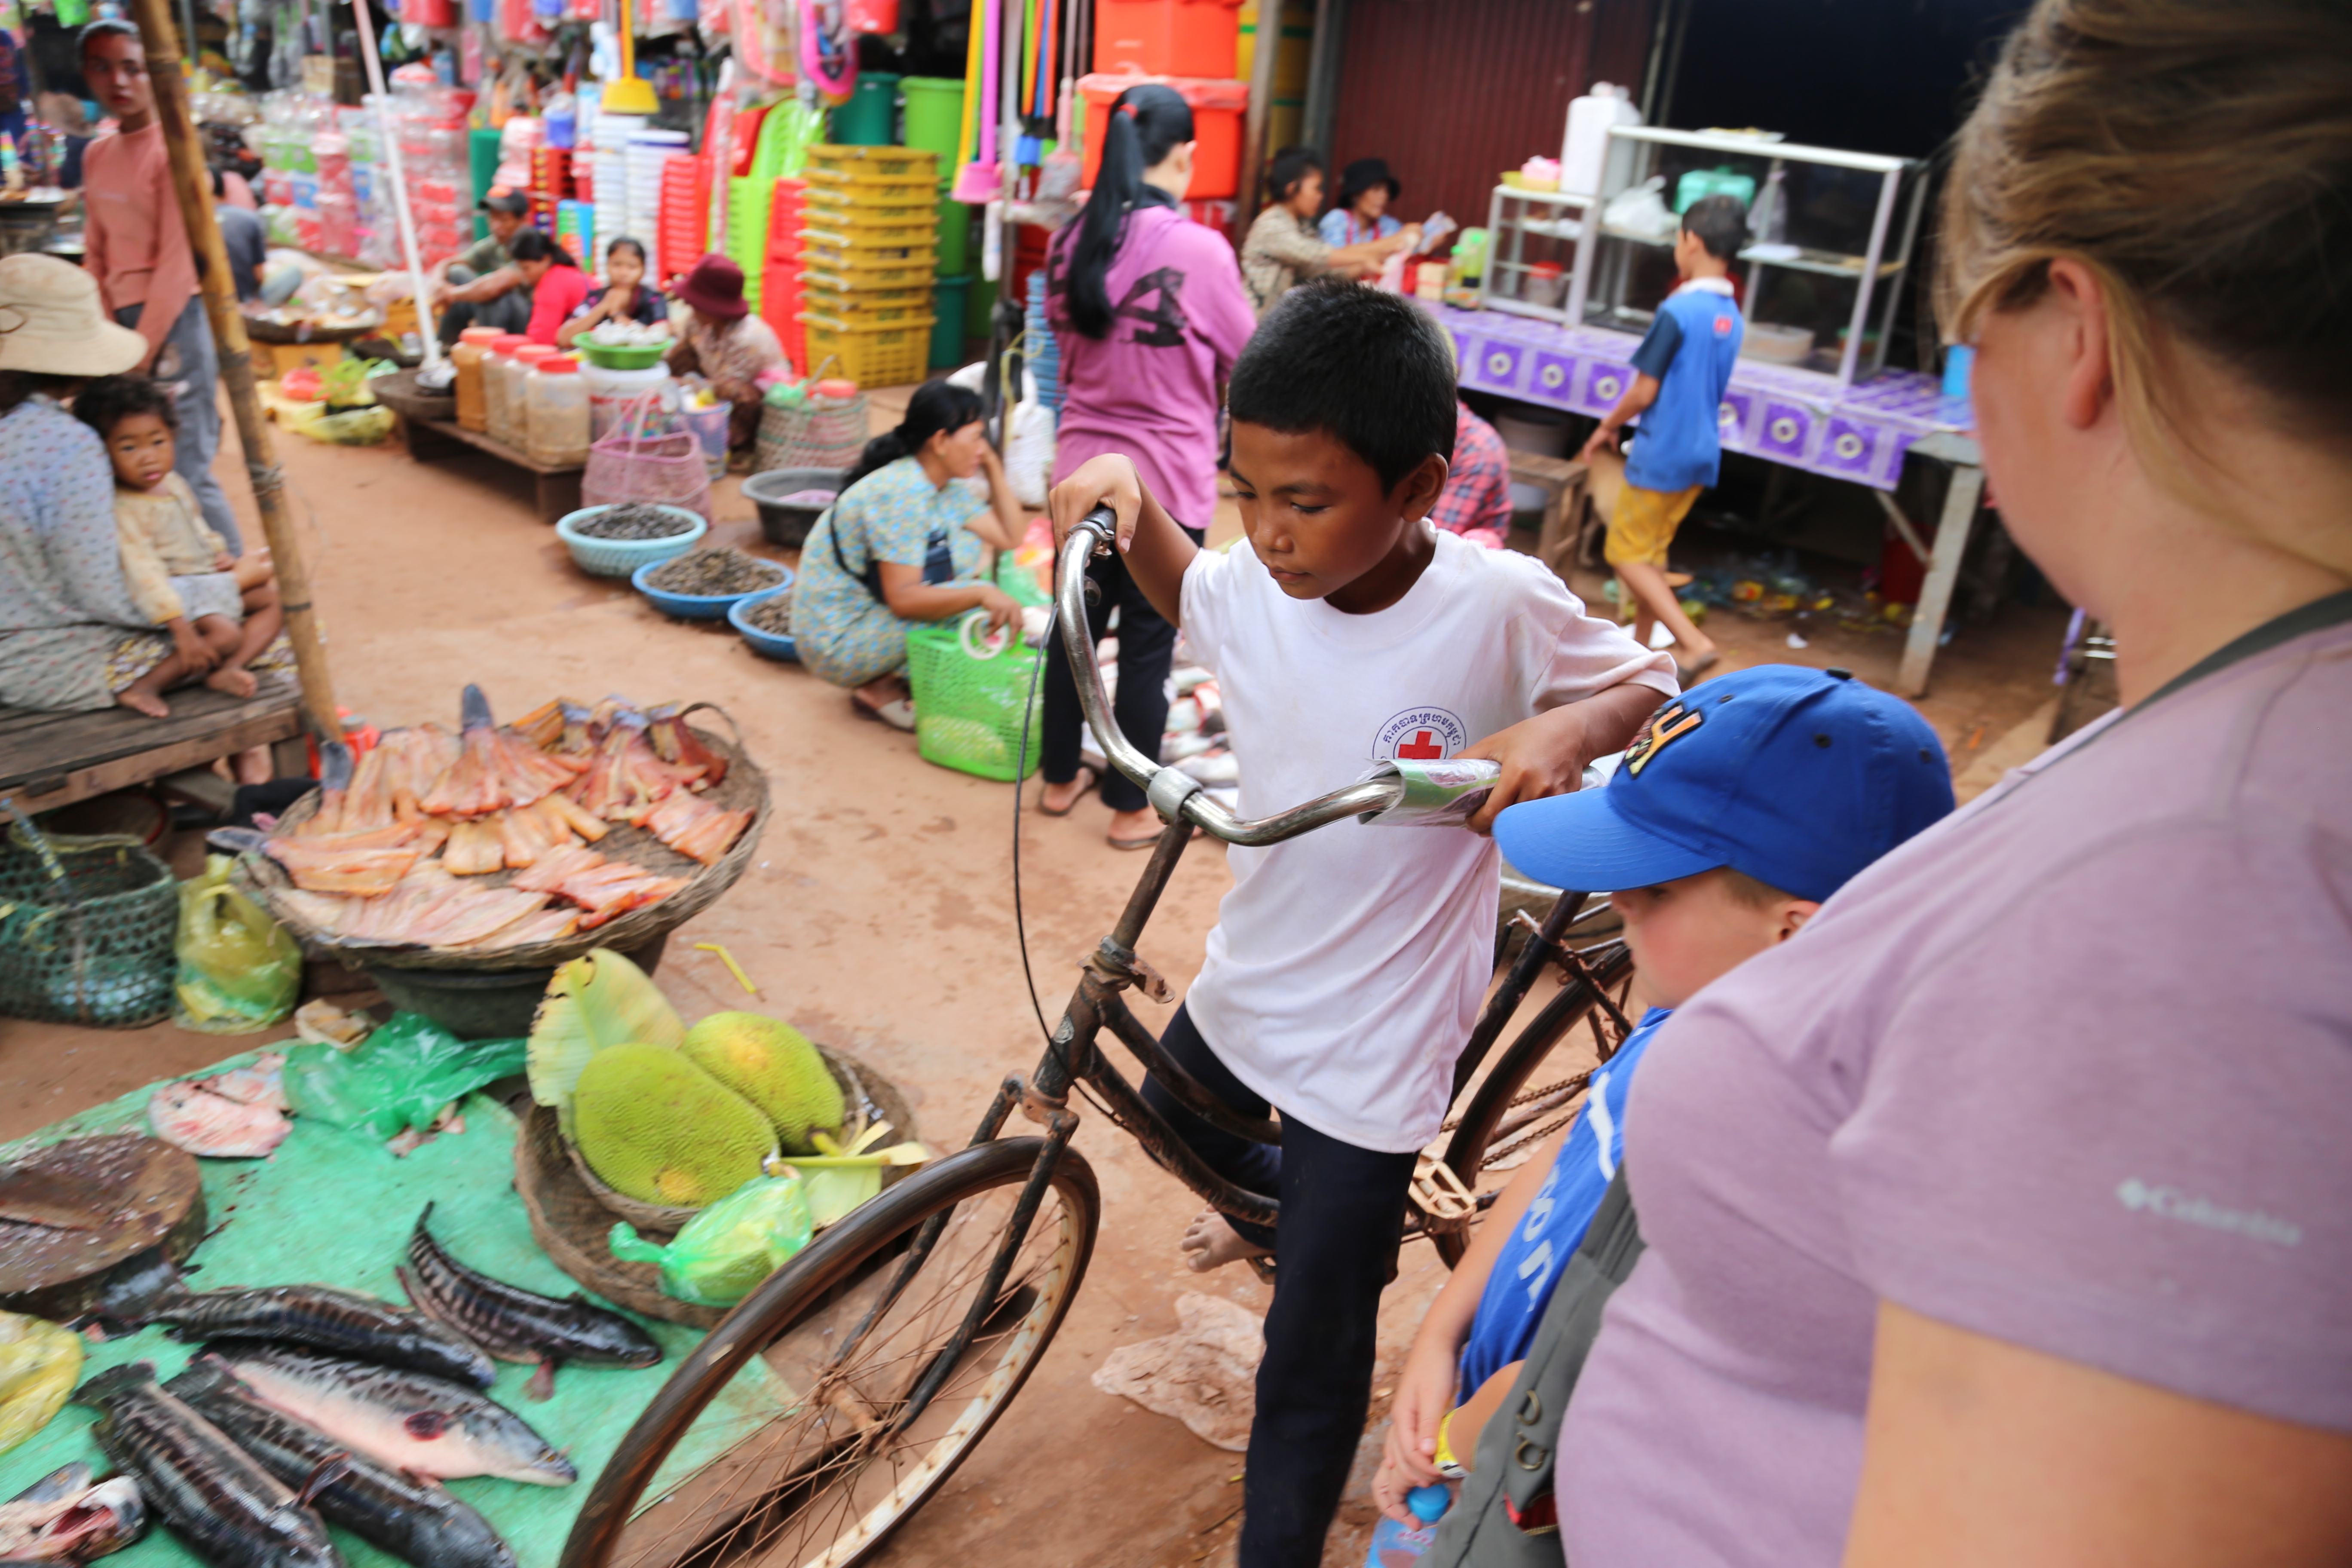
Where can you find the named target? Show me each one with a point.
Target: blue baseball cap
(1797, 777)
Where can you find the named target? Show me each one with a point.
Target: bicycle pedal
(1445, 1204)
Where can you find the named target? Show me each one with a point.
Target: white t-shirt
(1346, 966)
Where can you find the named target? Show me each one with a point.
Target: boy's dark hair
(1372, 370)
(1720, 223)
(110, 399)
(104, 27)
(1289, 167)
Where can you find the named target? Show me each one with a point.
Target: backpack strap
(1506, 1516)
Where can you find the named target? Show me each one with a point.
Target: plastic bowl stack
(649, 149)
(609, 169)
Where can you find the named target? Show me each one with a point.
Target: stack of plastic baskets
(780, 294)
(868, 252)
(609, 173)
(684, 213)
(650, 154)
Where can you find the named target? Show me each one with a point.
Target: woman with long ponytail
(902, 545)
(1151, 311)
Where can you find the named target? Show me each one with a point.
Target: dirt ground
(880, 919)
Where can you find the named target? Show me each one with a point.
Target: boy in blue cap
(1737, 809)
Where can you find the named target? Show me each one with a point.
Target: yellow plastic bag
(358, 427)
(239, 970)
(38, 1364)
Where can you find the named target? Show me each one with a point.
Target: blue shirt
(1547, 1236)
(1692, 343)
(1341, 229)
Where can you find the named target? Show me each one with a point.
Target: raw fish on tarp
(238, 1115)
(425, 1425)
(64, 1518)
(320, 1316)
(234, 1512)
(414, 1519)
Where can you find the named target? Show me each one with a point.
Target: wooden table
(48, 760)
(429, 440)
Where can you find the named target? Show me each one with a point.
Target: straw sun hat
(52, 323)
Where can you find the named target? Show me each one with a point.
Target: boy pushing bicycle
(1346, 966)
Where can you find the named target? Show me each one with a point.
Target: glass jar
(473, 345)
(557, 396)
(519, 366)
(497, 419)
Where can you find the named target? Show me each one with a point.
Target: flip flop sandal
(1090, 779)
(899, 713)
(1146, 842)
(1685, 674)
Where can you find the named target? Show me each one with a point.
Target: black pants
(1343, 1211)
(510, 312)
(1147, 647)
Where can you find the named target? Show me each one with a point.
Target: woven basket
(746, 788)
(825, 432)
(87, 927)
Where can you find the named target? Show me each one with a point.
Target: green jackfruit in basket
(656, 1128)
(774, 1067)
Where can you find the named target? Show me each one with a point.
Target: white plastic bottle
(1584, 155)
(557, 397)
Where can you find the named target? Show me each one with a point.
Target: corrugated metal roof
(1452, 92)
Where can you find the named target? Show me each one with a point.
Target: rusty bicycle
(838, 1397)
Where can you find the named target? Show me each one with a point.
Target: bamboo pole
(191, 181)
(1253, 125)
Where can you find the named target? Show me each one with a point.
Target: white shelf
(1753, 147)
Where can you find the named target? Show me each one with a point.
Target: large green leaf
(594, 1002)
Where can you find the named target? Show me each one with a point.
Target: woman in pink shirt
(1150, 312)
(557, 286)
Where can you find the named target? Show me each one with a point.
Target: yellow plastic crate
(872, 163)
(846, 275)
(869, 233)
(838, 188)
(829, 300)
(892, 354)
(827, 205)
(881, 266)
(862, 313)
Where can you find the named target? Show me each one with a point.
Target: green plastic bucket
(870, 118)
(949, 300)
(955, 237)
(935, 118)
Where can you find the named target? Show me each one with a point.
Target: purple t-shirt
(2072, 1069)
(1150, 388)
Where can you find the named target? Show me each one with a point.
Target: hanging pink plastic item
(812, 58)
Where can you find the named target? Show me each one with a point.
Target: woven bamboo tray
(746, 787)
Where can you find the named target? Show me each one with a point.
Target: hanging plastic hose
(833, 77)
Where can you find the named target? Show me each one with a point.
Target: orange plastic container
(1218, 108)
(1170, 37)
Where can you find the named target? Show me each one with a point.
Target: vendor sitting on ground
(624, 295)
(558, 287)
(1283, 249)
(1360, 215)
(220, 610)
(732, 347)
(479, 287)
(901, 547)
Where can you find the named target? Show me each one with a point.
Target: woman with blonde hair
(2001, 1215)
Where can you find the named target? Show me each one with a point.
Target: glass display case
(1831, 237)
(1538, 263)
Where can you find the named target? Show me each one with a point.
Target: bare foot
(1211, 1242)
(235, 682)
(142, 701)
(1131, 829)
(255, 766)
(1058, 799)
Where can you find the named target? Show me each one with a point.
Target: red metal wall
(1452, 92)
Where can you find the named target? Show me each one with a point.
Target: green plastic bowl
(622, 356)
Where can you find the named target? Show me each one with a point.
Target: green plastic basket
(970, 703)
(86, 929)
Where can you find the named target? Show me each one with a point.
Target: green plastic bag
(972, 693)
(399, 1078)
(725, 1251)
(239, 970)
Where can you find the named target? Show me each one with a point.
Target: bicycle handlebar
(1172, 791)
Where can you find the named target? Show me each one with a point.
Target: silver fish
(65, 1518)
(427, 1426)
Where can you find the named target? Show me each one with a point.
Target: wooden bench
(48, 760)
(557, 490)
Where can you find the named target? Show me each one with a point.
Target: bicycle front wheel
(839, 1395)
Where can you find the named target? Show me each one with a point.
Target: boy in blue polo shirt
(1681, 371)
(1737, 809)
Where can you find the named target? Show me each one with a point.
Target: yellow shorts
(1644, 524)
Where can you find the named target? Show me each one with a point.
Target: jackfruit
(656, 1128)
(774, 1066)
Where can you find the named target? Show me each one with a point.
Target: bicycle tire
(1484, 1111)
(849, 1256)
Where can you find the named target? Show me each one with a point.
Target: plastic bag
(39, 1362)
(238, 969)
(725, 1251)
(359, 427)
(398, 1078)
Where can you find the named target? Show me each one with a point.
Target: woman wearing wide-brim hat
(71, 636)
(1359, 214)
(732, 347)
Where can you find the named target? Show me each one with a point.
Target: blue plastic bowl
(766, 644)
(698, 607)
(621, 557)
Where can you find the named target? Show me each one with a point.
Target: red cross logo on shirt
(1422, 747)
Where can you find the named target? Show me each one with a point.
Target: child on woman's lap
(221, 610)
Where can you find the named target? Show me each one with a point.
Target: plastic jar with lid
(496, 361)
(610, 392)
(519, 365)
(473, 344)
(557, 396)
